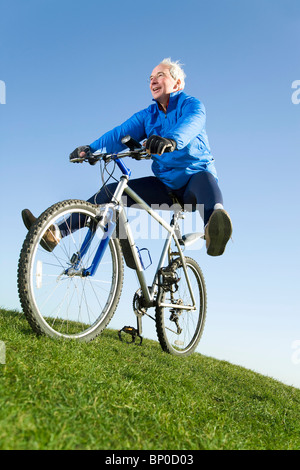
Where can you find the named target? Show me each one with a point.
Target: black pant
(201, 192)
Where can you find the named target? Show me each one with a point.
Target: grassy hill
(110, 395)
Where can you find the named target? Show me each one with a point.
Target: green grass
(110, 395)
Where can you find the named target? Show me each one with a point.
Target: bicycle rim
(56, 302)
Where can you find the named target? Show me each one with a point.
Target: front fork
(105, 219)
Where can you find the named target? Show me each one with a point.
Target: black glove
(158, 145)
(75, 155)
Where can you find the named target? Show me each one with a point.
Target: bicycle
(73, 291)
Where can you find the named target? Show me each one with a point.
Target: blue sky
(74, 70)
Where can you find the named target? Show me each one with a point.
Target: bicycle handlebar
(136, 154)
(136, 151)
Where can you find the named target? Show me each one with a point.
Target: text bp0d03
(172, 459)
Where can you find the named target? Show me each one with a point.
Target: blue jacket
(184, 122)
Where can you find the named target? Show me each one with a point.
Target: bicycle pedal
(133, 332)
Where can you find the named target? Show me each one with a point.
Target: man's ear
(177, 84)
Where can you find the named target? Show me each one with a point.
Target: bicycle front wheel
(59, 298)
(179, 331)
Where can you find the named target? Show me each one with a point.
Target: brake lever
(77, 160)
(140, 155)
(136, 155)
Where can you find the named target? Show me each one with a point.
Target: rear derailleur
(169, 283)
(175, 314)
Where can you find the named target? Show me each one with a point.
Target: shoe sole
(48, 246)
(219, 232)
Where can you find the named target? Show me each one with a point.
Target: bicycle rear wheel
(57, 299)
(179, 331)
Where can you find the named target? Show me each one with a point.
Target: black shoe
(52, 236)
(217, 232)
(28, 218)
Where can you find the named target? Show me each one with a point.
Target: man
(174, 129)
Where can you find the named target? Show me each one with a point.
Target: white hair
(176, 70)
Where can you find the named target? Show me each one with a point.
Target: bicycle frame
(107, 221)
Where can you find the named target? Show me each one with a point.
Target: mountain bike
(73, 290)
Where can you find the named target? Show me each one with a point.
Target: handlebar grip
(131, 143)
(77, 159)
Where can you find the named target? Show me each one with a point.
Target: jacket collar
(172, 99)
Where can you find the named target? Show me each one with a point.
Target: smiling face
(162, 84)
